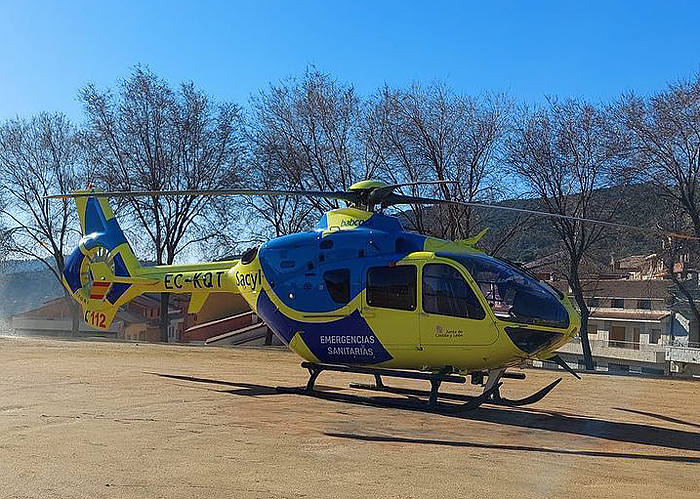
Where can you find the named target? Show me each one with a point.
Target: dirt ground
(97, 419)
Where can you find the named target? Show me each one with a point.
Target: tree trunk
(585, 343)
(577, 290)
(164, 316)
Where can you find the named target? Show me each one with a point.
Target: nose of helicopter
(566, 335)
(541, 342)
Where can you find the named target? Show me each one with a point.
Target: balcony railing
(630, 345)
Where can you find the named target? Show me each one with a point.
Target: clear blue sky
(48, 50)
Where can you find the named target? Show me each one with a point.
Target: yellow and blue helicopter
(356, 294)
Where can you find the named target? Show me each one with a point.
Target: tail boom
(103, 273)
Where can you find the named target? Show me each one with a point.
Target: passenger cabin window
(392, 287)
(446, 292)
(338, 285)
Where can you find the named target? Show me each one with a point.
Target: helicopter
(358, 293)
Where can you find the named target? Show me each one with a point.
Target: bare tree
(40, 156)
(307, 130)
(274, 216)
(429, 133)
(563, 152)
(664, 132)
(152, 137)
(269, 168)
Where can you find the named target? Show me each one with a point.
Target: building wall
(137, 320)
(599, 330)
(218, 306)
(645, 354)
(60, 326)
(142, 331)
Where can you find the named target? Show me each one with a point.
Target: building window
(644, 304)
(338, 285)
(392, 287)
(594, 302)
(655, 336)
(617, 303)
(616, 337)
(446, 292)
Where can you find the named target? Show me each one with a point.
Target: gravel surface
(104, 419)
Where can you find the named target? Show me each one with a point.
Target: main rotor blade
(351, 196)
(347, 196)
(401, 199)
(378, 194)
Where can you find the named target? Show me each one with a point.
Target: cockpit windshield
(512, 294)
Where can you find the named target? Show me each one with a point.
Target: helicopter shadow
(659, 416)
(507, 447)
(244, 389)
(627, 432)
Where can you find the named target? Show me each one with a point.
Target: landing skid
(415, 405)
(494, 396)
(490, 394)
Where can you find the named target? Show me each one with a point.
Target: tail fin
(102, 256)
(103, 273)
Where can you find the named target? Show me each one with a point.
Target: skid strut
(498, 399)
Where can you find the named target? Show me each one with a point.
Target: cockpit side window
(446, 292)
(512, 294)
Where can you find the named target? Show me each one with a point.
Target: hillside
(25, 284)
(536, 237)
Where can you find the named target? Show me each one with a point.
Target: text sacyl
(252, 280)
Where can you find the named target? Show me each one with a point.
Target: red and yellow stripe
(99, 290)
